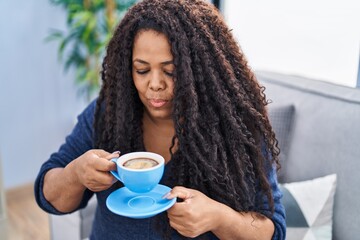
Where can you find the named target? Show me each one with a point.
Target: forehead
(151, 43)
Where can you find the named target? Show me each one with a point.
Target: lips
(157, 103)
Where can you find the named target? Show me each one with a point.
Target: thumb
(179, 192)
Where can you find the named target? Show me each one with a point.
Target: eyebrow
(144, 62)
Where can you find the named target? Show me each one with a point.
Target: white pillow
(309, 208)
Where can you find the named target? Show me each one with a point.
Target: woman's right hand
(92, 169)
(64, 187)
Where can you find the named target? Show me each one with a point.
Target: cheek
(140, 85)
(171, 87)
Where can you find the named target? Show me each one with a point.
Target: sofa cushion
(281, 119)
(309, 208)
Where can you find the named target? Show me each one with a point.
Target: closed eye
(142, 72)
(170, 74)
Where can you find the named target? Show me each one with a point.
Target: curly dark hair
(225, 143)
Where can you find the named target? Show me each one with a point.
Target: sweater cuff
(39, 195)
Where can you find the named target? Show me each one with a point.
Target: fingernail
(166, 195)
(116, 152)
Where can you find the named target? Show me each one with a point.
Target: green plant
(90, 24)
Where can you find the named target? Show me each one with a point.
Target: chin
(161, 116)
(158, 114)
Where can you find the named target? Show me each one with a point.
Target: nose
(156, 82)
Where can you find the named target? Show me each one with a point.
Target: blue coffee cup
(139, 180)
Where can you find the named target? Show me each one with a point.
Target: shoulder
(87, 116)
(84, 127)
(89, 111)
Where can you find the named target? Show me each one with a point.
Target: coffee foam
(140, 163)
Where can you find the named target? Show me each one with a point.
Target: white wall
(318, 39)
(38, 102)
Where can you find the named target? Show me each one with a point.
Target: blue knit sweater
(108, 225)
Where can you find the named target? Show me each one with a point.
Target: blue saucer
(139, 205)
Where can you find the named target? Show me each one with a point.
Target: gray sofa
(319, 135)
(324, 138)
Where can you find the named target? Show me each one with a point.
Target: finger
(115, 154)
(175, 225)
(104, 178)
(178, 210)
(98, 188)
(179, 192)
(103, 164)
(112, 166)
(100, 153)
(175, 212)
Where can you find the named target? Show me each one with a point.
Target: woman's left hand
(195, 215)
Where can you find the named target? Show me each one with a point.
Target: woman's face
(152, 71)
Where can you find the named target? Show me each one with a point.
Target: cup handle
(115, 173)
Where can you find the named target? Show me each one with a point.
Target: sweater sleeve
(278, 217)
(77, 143)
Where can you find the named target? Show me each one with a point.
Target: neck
(163, 127)
(158, 135)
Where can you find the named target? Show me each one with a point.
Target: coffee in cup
(140, 172)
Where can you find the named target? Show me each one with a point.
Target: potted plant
(90, 24)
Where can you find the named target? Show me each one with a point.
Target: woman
(174, 83)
